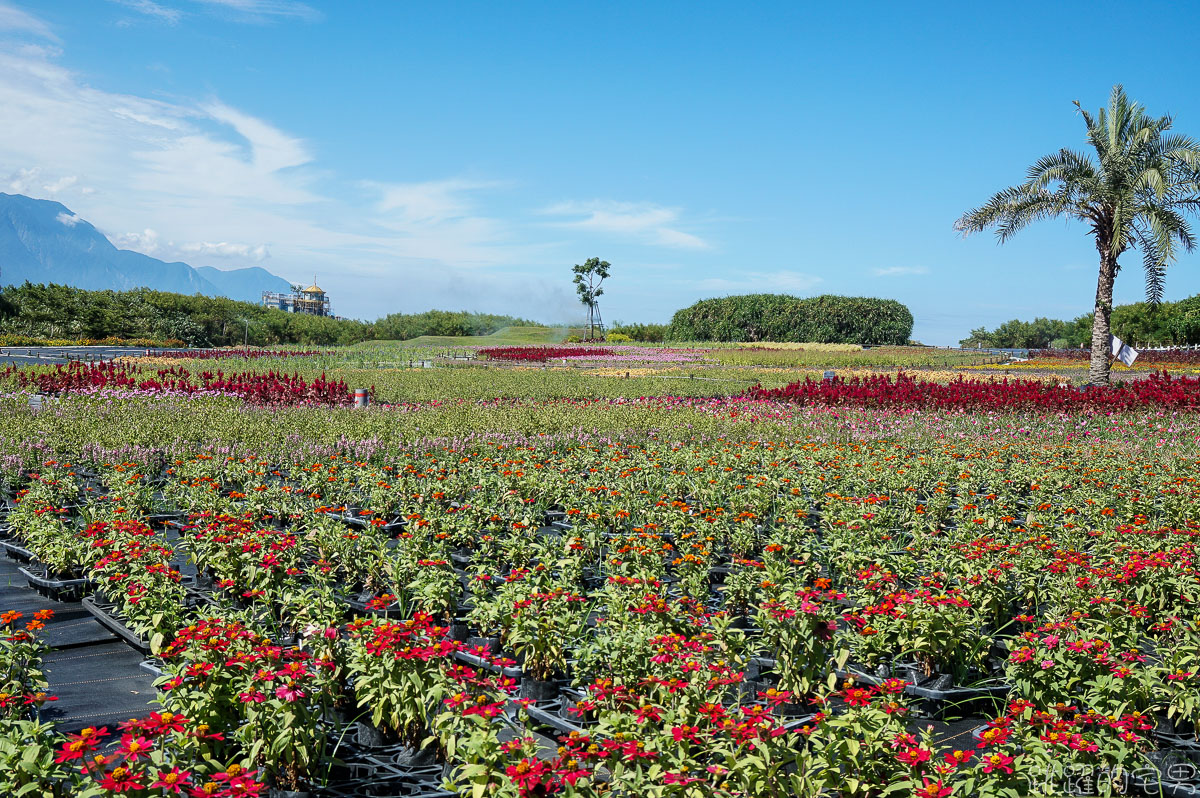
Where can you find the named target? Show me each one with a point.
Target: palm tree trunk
(1101, 322)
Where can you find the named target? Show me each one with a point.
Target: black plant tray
(60, 589)
(361, 608)
(1182, 742)
(395, 787)
(477, 662)
(1178, 775)
(937, 701)
(109, 621)
(550, 713)
(153, 666)
(16, 551)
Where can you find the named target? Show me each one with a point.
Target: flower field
(864, 587)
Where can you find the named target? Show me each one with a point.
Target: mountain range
(42, 241)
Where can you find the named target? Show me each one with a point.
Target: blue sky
(418, 155)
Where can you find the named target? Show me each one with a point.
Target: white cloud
(68, 219)
(270, 148)
(22, 180)
(900, 271)
(61, 184)
(760, 282)
(15, 20)
(171, 16)
(225, 249)
(653, 224)
(145, 242)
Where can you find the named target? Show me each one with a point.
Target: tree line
(60, 312)
(1164, 324)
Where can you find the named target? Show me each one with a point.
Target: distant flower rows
(1155, 391)
(259, 388)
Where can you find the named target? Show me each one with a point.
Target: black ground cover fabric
(97, 685)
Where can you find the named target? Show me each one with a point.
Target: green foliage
(62, 312)
(779, 317)
(1040, 333)
(646, 333)
(403, 326)
(1163, 324)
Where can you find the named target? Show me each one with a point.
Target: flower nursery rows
(261, 388)
(700, 618)
(274, 387)
(881, 390)
(1189, 357)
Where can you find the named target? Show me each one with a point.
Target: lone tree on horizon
(1134, 194)
(588, 278)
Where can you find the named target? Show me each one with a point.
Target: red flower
(135, 748)
(997, 761)
(121, 779)
(171, 781)
(932, 789)
(857, 696)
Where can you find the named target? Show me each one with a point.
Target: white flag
(1122, 351)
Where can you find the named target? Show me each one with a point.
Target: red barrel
(361, 397)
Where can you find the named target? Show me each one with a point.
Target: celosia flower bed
(259, 388)
(883, 391)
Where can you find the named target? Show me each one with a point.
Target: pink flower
(288, 693)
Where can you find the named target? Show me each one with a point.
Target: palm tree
(1135, 194)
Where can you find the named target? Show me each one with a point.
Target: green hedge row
(825, 319)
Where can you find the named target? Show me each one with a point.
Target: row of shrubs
(778, 317)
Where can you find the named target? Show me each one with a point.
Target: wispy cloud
(756, 282)
(643, 221)
(900, 271)
(149, 8)
(264, 10)
(67, 219)
(14, 20)
(432, 201)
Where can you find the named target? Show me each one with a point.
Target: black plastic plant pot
(366, 735)
(539, 689)
(402, 758)
(1177, 733)
(1173, 773)
(488, 644)
(105, 617)
(793, 709)
(275, 792)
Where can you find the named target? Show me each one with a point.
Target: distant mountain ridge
(42, 241)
